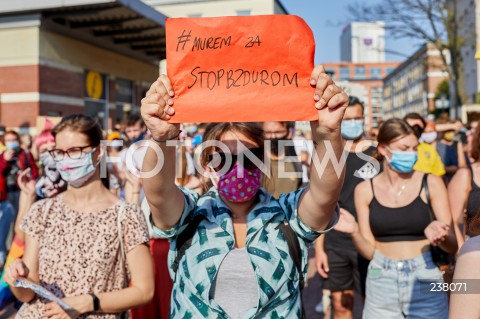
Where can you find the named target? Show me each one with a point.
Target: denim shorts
(396, 289)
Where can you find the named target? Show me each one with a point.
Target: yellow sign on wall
(94, 85)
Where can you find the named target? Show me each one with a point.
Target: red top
(24, 160)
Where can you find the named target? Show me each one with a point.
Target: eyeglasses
(219, 160)
(73, 153)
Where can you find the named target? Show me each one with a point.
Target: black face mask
(275, 145)
(418, 130)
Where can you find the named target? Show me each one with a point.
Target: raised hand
(157, 109)
(25, 182)
(331, 100)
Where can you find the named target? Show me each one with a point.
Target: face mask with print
(77, 171)
(402, 161)
(429, 137)
(239, 185)
(49, 166)
(449, 136)
(352, 129)
(12, 145)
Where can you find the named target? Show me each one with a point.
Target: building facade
(363, 42)
(368, 75)
(82, 56)
(468, 17)
(213, 8)
(412, 86)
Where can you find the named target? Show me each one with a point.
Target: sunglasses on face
(220, 160)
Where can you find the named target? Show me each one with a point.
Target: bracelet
(96, 302)
(164, 141)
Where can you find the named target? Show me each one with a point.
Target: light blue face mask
(352, 129)
(402, 161)
(77, 171)
(12, 145)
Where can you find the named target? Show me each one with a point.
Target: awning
(129, 27)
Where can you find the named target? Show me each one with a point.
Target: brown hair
(474, 226)
(12, 132)
(392, 130)
(81, 123)
(475, 152)
(215, 131)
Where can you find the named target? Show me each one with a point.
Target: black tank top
(473, 202)
(405, 223)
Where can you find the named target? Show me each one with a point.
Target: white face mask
(429, 137)
(77, 171)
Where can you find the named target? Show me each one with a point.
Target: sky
(327, 18)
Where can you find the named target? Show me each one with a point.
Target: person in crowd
(26, 143)
(335, 254)
(396, 228)
(136, 131)
(464, 303)
(451, 152)
(464, 188)
(2, 139)
(12, 162)
(471, 131)
(238, 263)
(116, 174)
(428, 161)
(79, 244)
(279, 134)
(303, 151)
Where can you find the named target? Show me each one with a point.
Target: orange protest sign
(241, 69)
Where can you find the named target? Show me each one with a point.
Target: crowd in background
(447, 150)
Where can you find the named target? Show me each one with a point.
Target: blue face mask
(352, 129)
(139, 138)
(12, 145)
(402, 161)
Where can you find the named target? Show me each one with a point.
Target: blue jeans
(7, 216)
(399, 289)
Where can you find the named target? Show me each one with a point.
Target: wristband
(96, 302)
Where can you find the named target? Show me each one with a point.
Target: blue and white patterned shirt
(277, 277)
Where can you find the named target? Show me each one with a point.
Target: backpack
(184, 241)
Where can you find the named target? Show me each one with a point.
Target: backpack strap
(184, 240)
(427, 195)
(46, 208)
(119, 230)
(295, 253)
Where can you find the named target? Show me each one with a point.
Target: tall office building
(363, 42)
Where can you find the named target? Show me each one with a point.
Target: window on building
(389, 70)
(360, 73)
(244, 12)
(344, 74)
(376, 73)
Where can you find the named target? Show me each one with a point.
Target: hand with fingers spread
(331, 101)
(16, 269)
(157, 109)
(436, 232)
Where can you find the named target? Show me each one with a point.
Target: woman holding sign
(237, 252)
(79, 243)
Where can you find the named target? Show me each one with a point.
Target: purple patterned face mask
(240, 185)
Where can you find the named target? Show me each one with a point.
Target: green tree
(432, 21)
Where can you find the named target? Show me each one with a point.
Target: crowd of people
(223, 229)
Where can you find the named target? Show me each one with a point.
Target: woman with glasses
(396, 226)
(79, 243)
(239, 263)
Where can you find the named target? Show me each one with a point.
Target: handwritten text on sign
(239, 69)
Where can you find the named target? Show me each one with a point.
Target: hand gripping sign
(241, 69)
